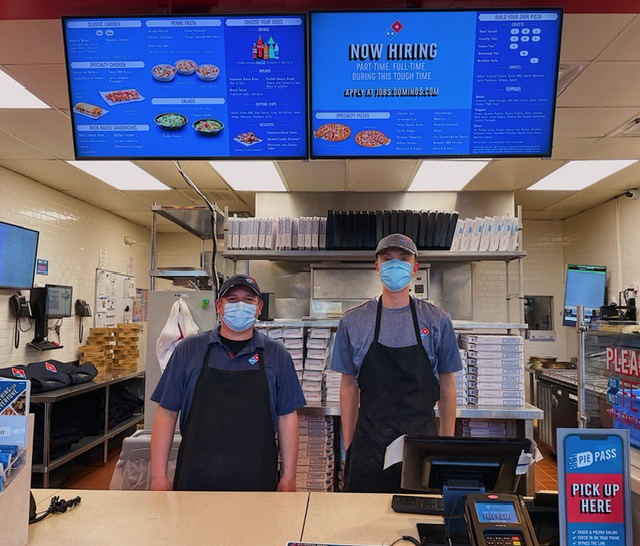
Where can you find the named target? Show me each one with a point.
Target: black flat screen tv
(585, 285)
(179, 87)
(18, 251)
(418, 83)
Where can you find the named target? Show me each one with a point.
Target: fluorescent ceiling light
(577, 175)
(123, 175)
(250, 175)
(14, 95)
(438, 175)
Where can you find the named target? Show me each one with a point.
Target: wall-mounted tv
(585, 285)
(183, 87)
(419, 83)
(18, 251)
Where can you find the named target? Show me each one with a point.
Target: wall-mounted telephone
(19, 306)
(496, 518)
(82, 308)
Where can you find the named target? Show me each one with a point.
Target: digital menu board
(188, 87)
(433, 83)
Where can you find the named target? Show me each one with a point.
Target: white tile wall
(71, 234)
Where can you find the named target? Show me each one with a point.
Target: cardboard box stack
(99, 349)
(316, 363)
(316, 456)
(126, 352)
(461, 381)
(481, 428)
(495, 369)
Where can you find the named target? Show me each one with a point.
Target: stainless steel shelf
(194, 219)
(171, 273)
(366, 255)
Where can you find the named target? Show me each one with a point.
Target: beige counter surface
(181, 518)
(358, 518)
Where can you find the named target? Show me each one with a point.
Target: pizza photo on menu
(371, 138)
(333, 132)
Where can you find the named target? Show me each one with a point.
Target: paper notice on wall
(102, 261)
(130, 266)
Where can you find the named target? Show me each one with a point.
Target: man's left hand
(287, 484)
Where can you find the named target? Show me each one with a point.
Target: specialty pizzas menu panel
(188, 87)
(417, 83)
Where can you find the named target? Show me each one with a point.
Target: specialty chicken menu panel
(417, 83)
(188, 87)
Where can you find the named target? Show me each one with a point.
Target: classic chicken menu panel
(188, 87)
(427, 83)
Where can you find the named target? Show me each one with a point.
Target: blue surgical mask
(395, 274)
(239, 316)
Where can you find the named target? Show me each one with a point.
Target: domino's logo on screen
(585, 459)
(393, 30)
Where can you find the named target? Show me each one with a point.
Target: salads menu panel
(188, 87)
(426, 83)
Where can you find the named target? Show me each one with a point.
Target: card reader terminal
(498, 520)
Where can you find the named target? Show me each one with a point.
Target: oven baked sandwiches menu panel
(188, 87)
(460, 83)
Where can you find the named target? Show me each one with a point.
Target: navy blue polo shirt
(178, 382)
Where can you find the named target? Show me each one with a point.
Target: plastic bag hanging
(180, 324)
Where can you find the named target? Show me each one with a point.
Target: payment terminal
(498, 520)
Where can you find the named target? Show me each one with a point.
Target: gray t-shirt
(357, 328)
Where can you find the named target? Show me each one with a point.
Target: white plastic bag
(179, 325)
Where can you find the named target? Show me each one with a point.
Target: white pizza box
(476, 234)
(319, 332)
(318, 353)
(503, 393)
(497, 346)
(508, 402)
(311, 386)
(292, 332)
(332, 397)
(314, 420)
(314, 364)
(294, 343)
(299, 374)
(312, 375)
(317, 343)
(490, 338)
(313, 396)
(327, 467)
(275, 333)
(298, 364)
(296, 354)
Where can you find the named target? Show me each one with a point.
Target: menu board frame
(107, 105)
(379, 148)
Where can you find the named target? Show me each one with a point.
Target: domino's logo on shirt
(17, 372)
(50, 367)
(255, 358)
(424, 332)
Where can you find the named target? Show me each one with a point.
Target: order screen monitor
(585, 285)
(52, 301)
(457, 467)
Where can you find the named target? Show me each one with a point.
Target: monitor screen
(18, 251)
(585, 285)
(463, 83)
(58, 301)
(496, 512)
(188, 86)
(430, 463)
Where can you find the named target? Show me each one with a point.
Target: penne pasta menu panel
(188, 87)
(459, 83)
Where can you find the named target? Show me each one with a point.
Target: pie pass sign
(594, 487)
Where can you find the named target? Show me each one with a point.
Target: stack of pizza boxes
(461, 381)
(99, 349)
(316, 455)
(293, 340)
(315, 363)
(125, 350)
(495, 372)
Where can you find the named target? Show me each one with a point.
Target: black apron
(228, 441)
(398, 391)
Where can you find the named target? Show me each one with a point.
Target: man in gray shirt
(397, 356)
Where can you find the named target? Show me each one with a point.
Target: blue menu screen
(188, 87)
(426, 83)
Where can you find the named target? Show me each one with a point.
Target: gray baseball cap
(239, 280)
(397, 240)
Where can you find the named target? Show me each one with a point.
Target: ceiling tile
(316, 175)
(566, 148)
(382, 175)
(605, 84)
(48, 82)
(12, 148)
(31, 42)
(538, 200)
(511, 174)
(590, 122)
(584, 36)
(56, 174)
(625, 47)
(612, 148)
(47, 130)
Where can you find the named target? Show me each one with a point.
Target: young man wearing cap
(397, 356)
(233, 388)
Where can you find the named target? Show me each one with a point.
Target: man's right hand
(161, 484)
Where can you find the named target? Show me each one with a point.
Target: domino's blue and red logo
(18, 372)
(50, 367)
(254, 359)
(393, 30)
(250, 280)
(424, 332)
(406, 240)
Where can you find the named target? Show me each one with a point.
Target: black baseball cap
(397, 240)
(239, 280)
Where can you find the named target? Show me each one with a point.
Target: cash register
(478, 478)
